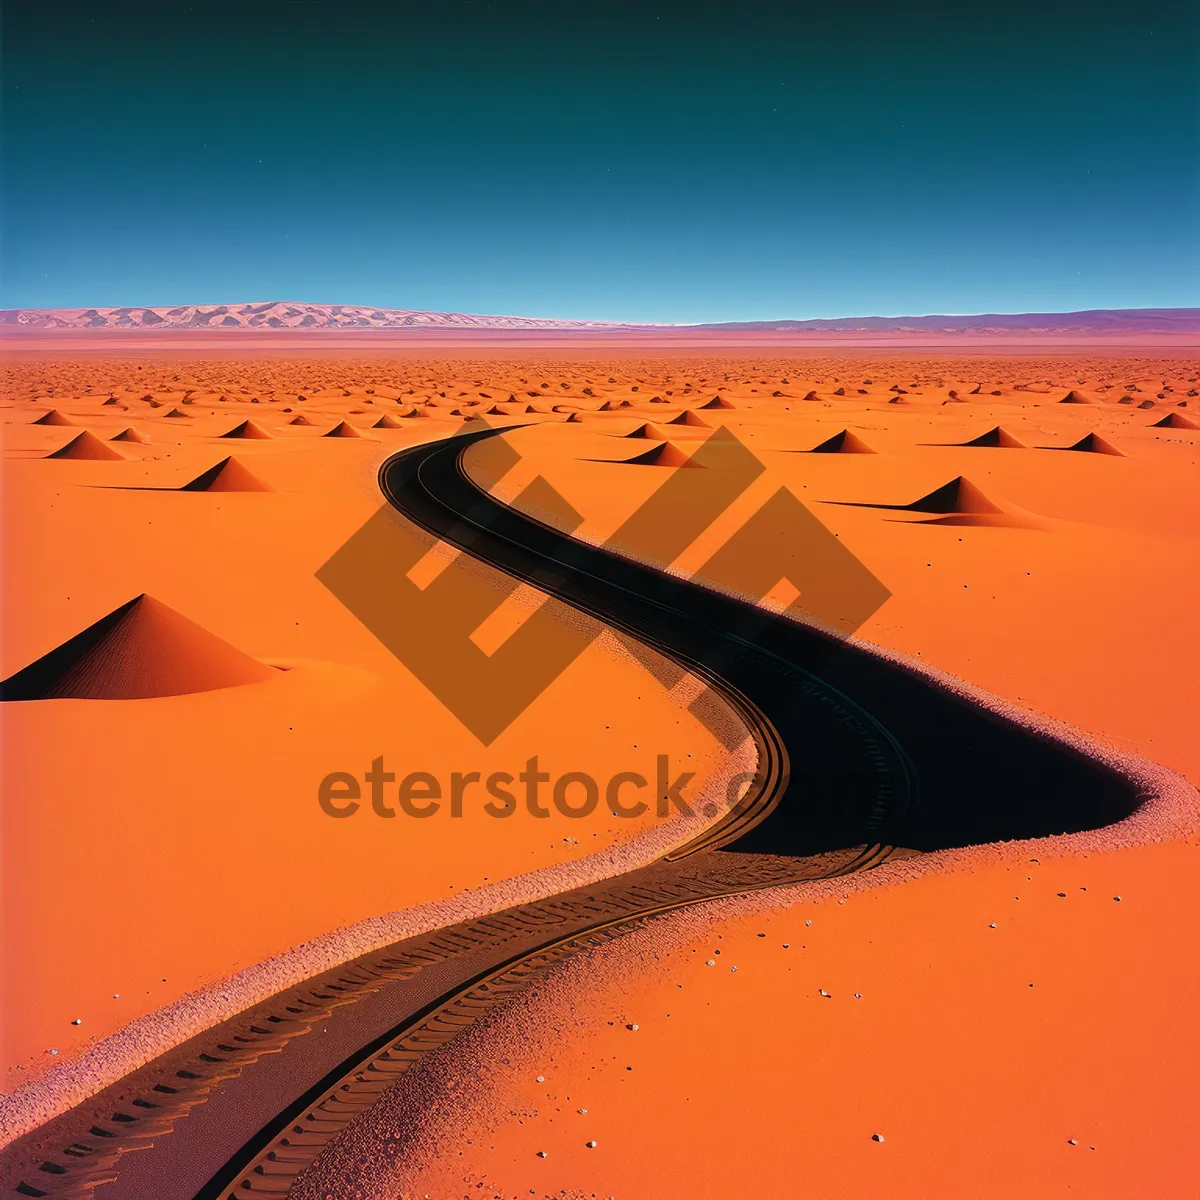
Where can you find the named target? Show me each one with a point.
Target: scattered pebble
(633, 1027)
(541, 1079)
(543, 1154)
(591, 1145)
(877, 1137)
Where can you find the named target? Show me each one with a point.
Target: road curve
(857, 757)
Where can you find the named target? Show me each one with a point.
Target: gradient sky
(729, 160)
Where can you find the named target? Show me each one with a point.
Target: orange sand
(1076, 604)
(157, 846)
(741, 1078)
(1084, 612)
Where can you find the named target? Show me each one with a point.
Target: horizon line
(215, 307)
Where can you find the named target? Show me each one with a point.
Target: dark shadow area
(877, 752)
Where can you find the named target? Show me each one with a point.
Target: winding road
(858, 760)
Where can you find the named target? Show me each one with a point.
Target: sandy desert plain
(1011, 1020)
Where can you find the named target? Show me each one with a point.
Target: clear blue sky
(604, 159)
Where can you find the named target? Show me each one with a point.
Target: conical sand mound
(343, 429)
(717, 402)
(688, 417)
(140, 650)
(666, 455)
(996, 436)
(130, 435)
(1074, 397)
(1174, 421)
(300, 420)
(647, 431)
(842, 442)
(387, 422)
(1093, 443)
(414, 412)
(53, 417)
(960, 502)
(228, 475)
(248, 430)
(574, 419)
(958, 496)
(176, 413)
(87, 447)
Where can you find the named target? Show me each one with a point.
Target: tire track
(330, 1109)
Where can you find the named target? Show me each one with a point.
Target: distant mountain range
(1096, 320)
(277, 314)
(283, 315)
